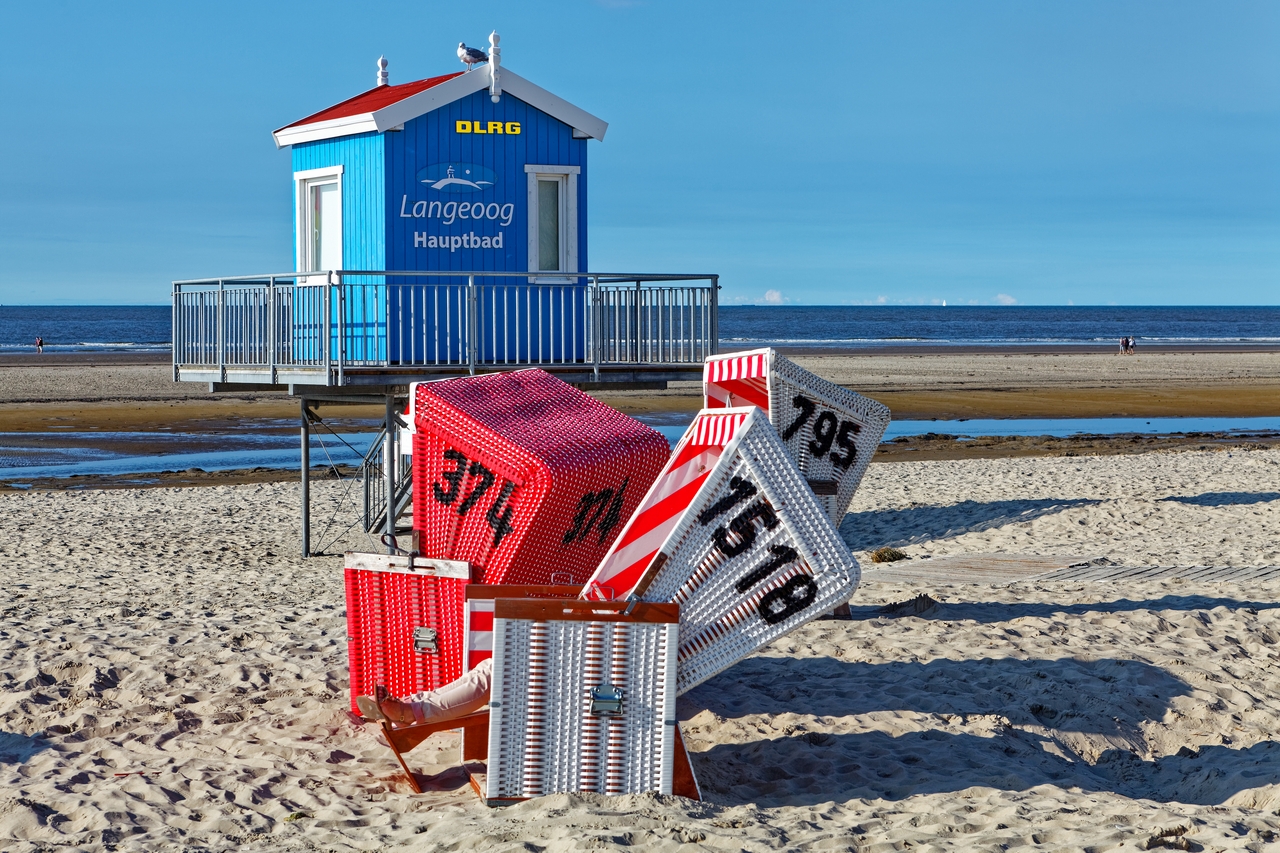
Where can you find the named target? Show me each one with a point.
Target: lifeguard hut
(440, 228)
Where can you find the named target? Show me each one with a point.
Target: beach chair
(522, 475)
(583, 699)
(404, 622)
(731, 532)
(830, 432)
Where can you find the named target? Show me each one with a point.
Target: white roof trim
(430, 99)
(584, 124)
(553, 105)
(345, 126)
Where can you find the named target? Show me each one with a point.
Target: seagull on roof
(470, 55)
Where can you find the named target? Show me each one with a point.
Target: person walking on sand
(39, 344)
(1124, 346)
(1133, 343)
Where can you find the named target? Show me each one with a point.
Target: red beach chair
(404, 623)
(521, 475)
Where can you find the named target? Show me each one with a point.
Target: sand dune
(172, 635)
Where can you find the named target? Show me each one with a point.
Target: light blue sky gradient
(906, 152)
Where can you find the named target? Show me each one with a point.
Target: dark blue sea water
(85, 328)
(146, 327)
(865, 326)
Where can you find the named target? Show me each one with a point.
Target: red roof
(374, 99)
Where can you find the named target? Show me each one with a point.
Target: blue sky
(812, 153)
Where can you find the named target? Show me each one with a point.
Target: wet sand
(138, 392)
(988, 384)
(135, 393)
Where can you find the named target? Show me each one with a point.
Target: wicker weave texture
(830, 432)
(543, 737)
(523, 476)
(384, 608)
(753, 557)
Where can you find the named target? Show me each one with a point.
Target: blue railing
(344, 320)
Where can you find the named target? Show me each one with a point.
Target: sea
(853, 327)
(146, 328)
(86, 328)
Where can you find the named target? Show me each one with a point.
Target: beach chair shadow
(812, 768)
(1224, 498)
(18, 748)
(1062, 722)
(900, 527)
(988, 612)
(1026, 692)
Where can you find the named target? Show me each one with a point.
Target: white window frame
(303, 182)
(568, 220)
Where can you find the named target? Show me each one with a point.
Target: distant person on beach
(1124, 346)
(39, 344)
(1132, 345)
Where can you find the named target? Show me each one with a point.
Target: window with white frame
(319, 218)
(553, 218)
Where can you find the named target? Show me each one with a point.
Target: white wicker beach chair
(730, 532)
(583, 699)
(830, 432)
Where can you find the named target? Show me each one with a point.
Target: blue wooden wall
(363, 194)
(430, 327)
(433, 139)
(360, 310)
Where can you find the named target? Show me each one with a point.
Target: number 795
(827, 430)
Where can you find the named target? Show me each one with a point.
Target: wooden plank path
(967, 568)
(1011, 568)
(1191, 574)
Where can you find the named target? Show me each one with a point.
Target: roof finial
(495, 59)
(383, 76)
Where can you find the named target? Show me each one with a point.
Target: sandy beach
(175, 676)
(171, 636)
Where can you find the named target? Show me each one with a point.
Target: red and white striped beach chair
(522, 475)
(404, 623)
(829, 431)
(583, 699)
(731, 533)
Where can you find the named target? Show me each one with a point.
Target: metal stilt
(306, 479)
(390, 468)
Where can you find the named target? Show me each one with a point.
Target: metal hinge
(424, 640)
(606, 700)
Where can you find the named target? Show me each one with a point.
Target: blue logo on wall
(457, 177)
